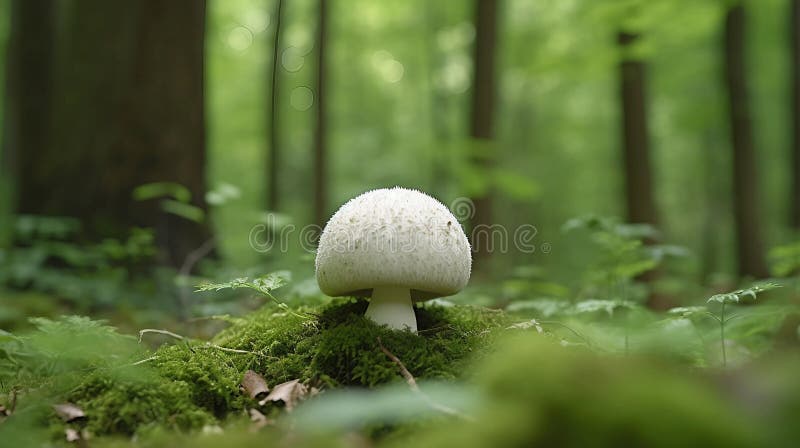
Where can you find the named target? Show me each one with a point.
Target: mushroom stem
(392, 306)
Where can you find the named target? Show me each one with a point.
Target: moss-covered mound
(190, 384)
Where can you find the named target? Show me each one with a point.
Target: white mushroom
(397, 246)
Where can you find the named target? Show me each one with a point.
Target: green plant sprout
(263, 285)
(609, 307)
(626, 252)
(723, 300)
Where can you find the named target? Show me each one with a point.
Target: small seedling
(263, 285)
(731, 298)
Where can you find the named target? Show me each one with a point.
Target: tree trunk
(128, 110)
(272, 126)
(745, 184)
(482, 116)
(320, 143)
(794, 196)
(29, 59)
(636, 148)
(639, 197)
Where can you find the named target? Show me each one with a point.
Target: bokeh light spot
(302, 98)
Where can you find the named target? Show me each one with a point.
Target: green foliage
(48, 259)
(354, 409)
(736, 296)
(263, 285)
(785, 259)
(157, 190)
(175, 199)
(540, 394)
(623, 253)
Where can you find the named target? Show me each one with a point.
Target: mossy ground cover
(190, 384)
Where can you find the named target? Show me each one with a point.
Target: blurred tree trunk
(794, 197)
(29, 58)
(639, 198)
(747, 215)
(641, 207)
(482, 117)
(320, 144)
(272, 126)
(128, 109)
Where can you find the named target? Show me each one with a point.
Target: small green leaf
(736, 296)
(162, 189)
(183, 210)
(687, 311)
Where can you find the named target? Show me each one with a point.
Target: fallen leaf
(290, 393)
(69, 412)
(254, 385)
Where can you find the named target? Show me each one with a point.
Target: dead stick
(412, 384)
(164, 332)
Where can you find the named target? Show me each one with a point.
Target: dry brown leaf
(290, 393)
(254, 385)
(3, 411)
(69, 412)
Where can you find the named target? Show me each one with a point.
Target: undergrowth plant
(785, 261)
(626, 252)
(721, 316)
(263, 285)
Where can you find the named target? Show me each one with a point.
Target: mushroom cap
(393, 237)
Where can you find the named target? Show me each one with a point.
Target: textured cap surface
(393, 237)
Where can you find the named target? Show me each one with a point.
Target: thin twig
(186, 269)
(182, 338)
(412, 384)
(575, 332)
(231, 350)
(164, 332)
(152, 358)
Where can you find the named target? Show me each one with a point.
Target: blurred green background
(638, 159)
(191, 124)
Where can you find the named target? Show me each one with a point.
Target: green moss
(123, 407)
(193, 384)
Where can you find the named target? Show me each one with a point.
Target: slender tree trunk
(272, 126)
(320, 142)
(745, 183)
(128, 110)
(29, 60)
(794, 197)
(639, 196)
(483, 113)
